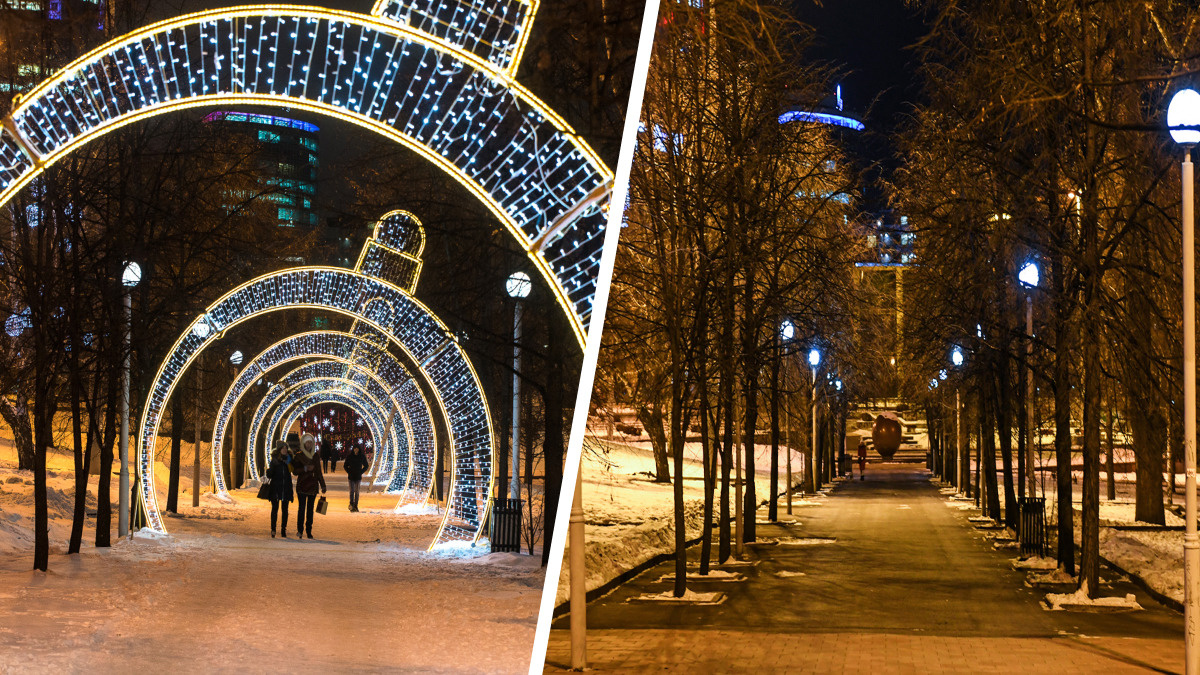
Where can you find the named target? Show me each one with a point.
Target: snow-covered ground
(218, 594)
(631, 519)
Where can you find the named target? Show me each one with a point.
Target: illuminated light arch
(331, 368)
(414, 411)
(298, 396)
(424, 339)
(299, 382)
(434, 76)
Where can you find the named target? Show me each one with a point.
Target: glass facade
(287, 162)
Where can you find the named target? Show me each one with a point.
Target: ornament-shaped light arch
(414, 410)
(439, 83)
(424, 339)
(409, 471)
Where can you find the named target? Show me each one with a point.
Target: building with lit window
(287, 160)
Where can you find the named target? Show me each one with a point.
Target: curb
(1161, 599)
(608, 586)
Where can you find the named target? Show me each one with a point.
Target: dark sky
(867, 39)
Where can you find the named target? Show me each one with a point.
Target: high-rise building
(287, 160)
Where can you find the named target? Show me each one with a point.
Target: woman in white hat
(307, 467)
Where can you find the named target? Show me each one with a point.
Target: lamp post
(518, 287)
(942, 429)
(1184, 110)
(787, 331)
(1029, 276)
(957, 359)
(814, 360)
(130, 277)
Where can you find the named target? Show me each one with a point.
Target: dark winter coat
(308, 473)
(356, 465)
(281, 479)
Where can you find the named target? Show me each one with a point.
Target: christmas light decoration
(382, 310)
(436, 76)
(340, 347)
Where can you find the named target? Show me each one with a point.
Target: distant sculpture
(887, 434)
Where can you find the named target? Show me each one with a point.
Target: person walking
(355, 466)
(862, 461)
(325, 454)
(307, 467)
(279, 474)
(334, 456)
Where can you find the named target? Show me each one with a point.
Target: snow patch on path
(689, 597)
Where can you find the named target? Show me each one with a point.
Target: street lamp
(130, 276)
(787, 331)
(814, 360)
(518, 287)
(957, 359)
(1029, 276)
(1184, 110)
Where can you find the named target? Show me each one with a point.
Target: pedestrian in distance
(307, 467)
(862, 461)
(355, 466)
(334, 456)
(279, 473)
(326, 452)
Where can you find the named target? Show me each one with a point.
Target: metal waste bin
(1033, 526)
(506, 525)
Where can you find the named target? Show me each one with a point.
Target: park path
(882, 575)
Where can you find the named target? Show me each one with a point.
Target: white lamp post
(814, 360)
(1029, 276)
(518, 287)
(956, 359)
(787, 331)
(1184, 110)
(130, 276)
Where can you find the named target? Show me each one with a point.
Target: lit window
(268, 136)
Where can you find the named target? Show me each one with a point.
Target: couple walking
(306, 465)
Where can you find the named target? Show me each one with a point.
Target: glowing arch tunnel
(349, 349)
(386, 309)
(436, 76)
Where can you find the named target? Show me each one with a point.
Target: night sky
(868, 40)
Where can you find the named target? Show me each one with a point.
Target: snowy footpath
(218, 594)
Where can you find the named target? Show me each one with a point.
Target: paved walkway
(902, 583)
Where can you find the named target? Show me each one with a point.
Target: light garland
(434, 76)
(381, 309)
(344, 348)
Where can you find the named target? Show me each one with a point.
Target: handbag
(264, 490)
(322, 506)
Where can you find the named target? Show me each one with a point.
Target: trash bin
(506, 525)
(1033, 526)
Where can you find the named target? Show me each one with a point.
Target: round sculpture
(886, 434)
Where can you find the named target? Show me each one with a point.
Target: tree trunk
(1062, 421)
(1108, 435)
(79, 513)
(652, 421)
(552, 445)
(1004, 422)
(16, 415)
(176, 443)
(103, 490)
(988, 451)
